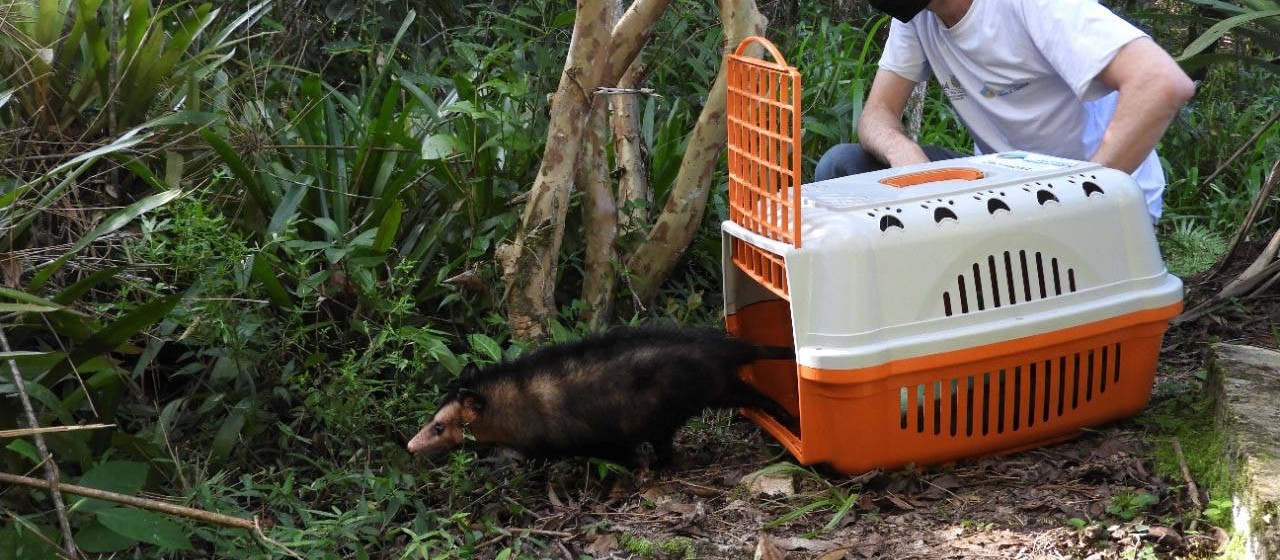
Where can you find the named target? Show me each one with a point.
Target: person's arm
(880, 126)
(1152, 88)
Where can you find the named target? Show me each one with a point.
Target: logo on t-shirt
(990, 92)
(953, 89)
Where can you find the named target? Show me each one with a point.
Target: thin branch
(1244, 146)
(50, 430)
(1250, 218)
(626, 91)
(1192, 490)
(134, 501)
(50, 467)
(1237, 287)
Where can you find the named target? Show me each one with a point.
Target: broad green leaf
(265, 275)
(24, 541)
(96, 538)
(50, 401)
(263, 201)
(121, 477)
(439, 146)
(389, 228)
(108, 338)
(330, 228)
(26, 450)
(288, 207)
(226, 438)
(564, 19)
(486, 346)
(145, 526)
(1222, 28)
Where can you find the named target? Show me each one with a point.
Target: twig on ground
(1192, 490)
(50, 467)
(257, 530)
(134, 501)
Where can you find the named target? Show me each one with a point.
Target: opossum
(600, 396)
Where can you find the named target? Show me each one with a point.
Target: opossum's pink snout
(419, 442)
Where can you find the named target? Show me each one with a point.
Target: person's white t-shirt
(1021, 74)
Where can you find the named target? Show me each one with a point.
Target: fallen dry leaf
(766, 550)
(770, 484)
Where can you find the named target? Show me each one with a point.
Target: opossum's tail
(775, 353)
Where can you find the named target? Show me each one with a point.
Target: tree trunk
(529, 264)
(634, 191)
(650, 265)
(600, 209)
(601, 220)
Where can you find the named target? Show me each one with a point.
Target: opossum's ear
(472, 404)
(471, 399)
(469, 372)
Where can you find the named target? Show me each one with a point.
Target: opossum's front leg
(663, 450)
(748, 397)
(621, 453)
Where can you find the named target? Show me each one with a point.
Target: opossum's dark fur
(600, 396)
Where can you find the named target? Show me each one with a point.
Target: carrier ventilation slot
(1008, 279)
(766, 268)
(1010, 399)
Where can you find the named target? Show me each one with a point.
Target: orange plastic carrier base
(998, 398)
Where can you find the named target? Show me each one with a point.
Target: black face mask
(901, 10)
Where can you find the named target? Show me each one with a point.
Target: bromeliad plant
(78, 69)
(339, 186)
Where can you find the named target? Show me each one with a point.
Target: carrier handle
(933, 175)
(778, 63)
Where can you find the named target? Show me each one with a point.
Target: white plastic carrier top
(1036, 245)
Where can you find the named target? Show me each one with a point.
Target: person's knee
(845, 159)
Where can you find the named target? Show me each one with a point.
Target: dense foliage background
(257, 238)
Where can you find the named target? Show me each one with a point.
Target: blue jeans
(851, 159)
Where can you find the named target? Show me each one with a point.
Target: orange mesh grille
(763, 100)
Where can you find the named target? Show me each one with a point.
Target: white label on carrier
(1024, 161)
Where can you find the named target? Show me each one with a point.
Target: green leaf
(96, 538)
(26, 450)
(564, 19)
(329, 226)
(261, 270)
(1222, 28)
(389, 227)
(288, 207)
(121, 477)
(108, 338)
(440, 146)
(262, 199)
(487, 346)
(226, 438)
(30, 299)
(73, 292)
(145, 526)
(24, 541)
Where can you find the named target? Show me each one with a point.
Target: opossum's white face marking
(445, 431)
